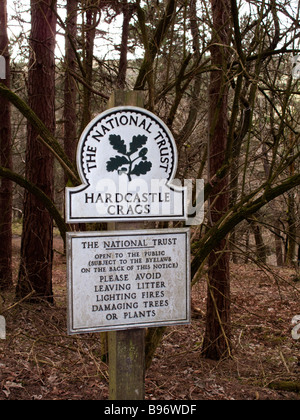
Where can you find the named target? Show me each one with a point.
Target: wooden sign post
(126, 349)
(130, 277)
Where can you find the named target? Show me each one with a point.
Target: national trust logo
(132, 162)
(127, 141)
(127, 162)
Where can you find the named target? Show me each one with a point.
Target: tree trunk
(152, 46)
(127, 13)
(35, 272)
(278, 244)
(261, 252)
(89, 33)
(5, 160)
(40, 195)
(217, 334)
(45, 136)
(70, 115)
(291, 230)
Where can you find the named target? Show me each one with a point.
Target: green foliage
(141, 168)
(118, 144)
(117, 162)
(137, 143)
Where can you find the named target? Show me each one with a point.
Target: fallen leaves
(7, 387)
(39, 361)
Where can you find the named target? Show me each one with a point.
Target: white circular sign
(127, 161)
(126, 141)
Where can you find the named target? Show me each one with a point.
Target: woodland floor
(38, 360)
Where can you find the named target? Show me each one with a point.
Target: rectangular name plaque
(122, 279)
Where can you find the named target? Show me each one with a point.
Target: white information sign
(126, 159)
(121, 279)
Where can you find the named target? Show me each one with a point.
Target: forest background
(219, 73)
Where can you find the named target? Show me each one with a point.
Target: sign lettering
(121, 280)
(127, 160)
